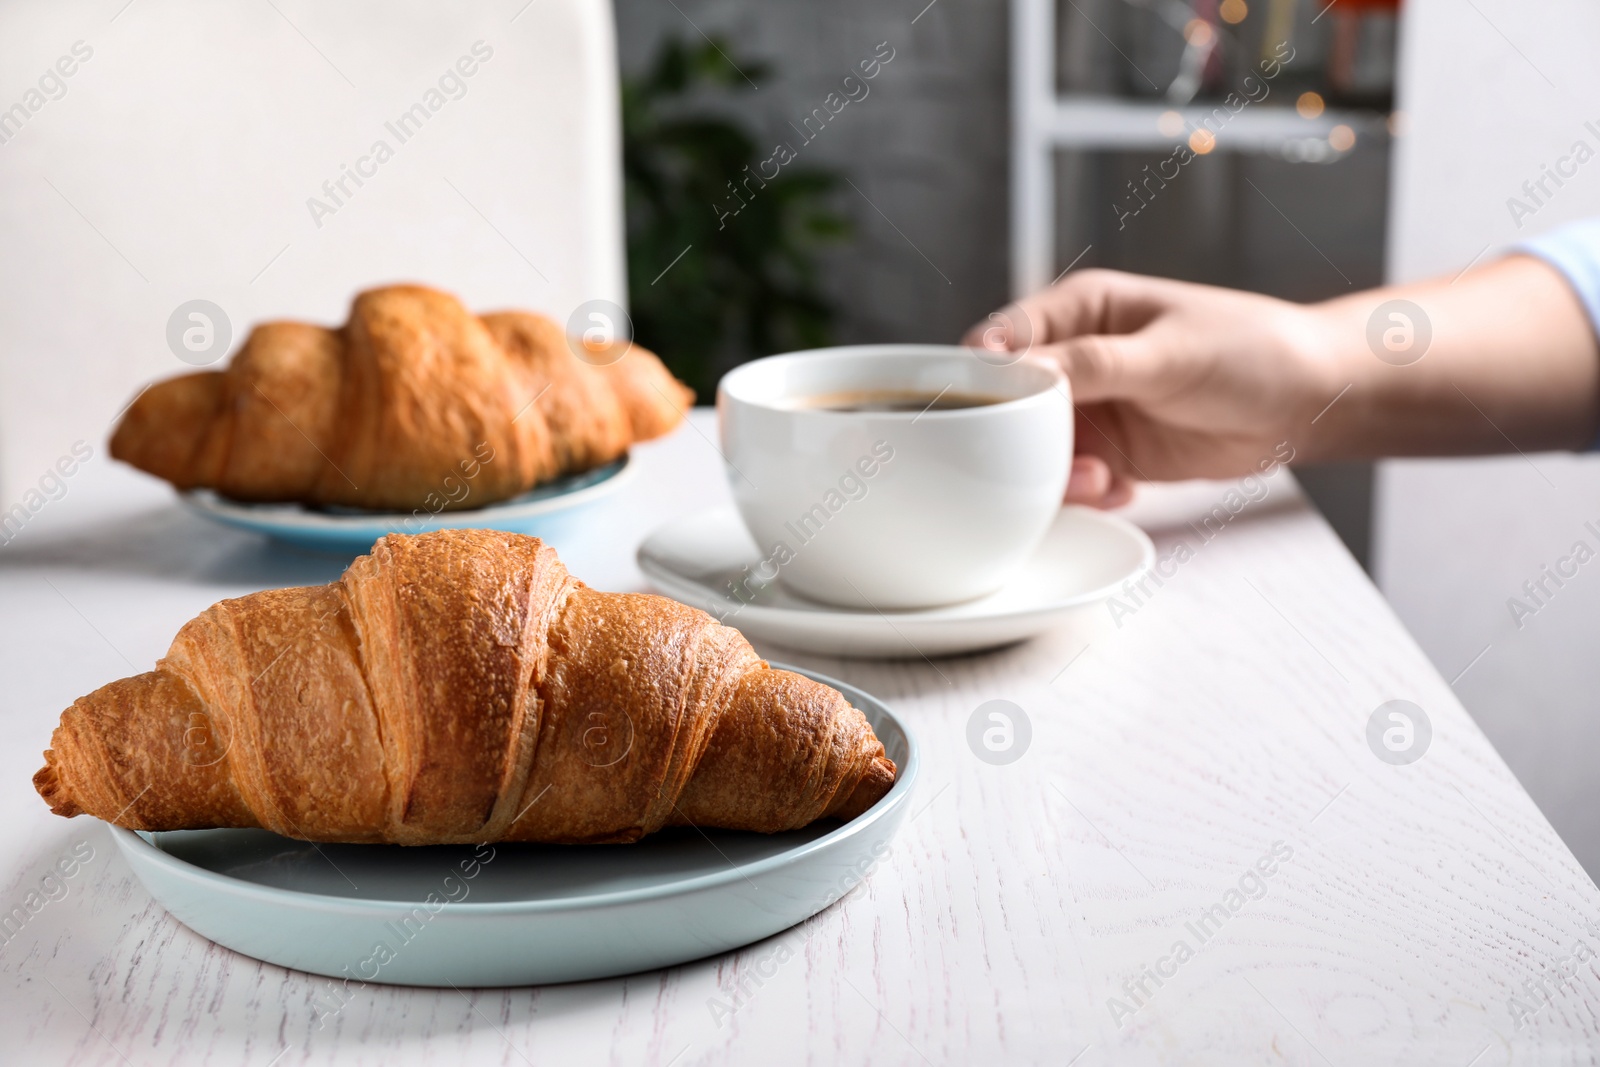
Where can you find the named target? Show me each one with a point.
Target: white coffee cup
(895, 509)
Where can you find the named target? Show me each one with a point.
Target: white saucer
(1085, 557)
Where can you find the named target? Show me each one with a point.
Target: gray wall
(927, 147)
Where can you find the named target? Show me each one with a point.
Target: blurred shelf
(1044, 121)
(1096, 122)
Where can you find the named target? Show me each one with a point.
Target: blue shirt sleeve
(1574, 251)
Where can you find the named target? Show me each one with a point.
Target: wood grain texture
(1227, 712)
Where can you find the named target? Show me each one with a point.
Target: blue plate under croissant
(410, 915)
(545, 511)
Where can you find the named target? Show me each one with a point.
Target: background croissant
(379, 413)
(461, 686)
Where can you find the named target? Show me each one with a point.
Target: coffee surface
(887, 400)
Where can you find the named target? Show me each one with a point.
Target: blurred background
(751, 178)
(904, 223)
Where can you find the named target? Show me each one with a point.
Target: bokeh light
(1199, 33)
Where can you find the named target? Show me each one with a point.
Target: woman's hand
(1171, 380)
(1174, 380)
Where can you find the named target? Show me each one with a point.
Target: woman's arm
(1512, 363)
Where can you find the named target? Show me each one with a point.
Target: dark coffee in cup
(890, 400)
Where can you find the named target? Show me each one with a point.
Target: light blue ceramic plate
(547, 511)
(506, 915)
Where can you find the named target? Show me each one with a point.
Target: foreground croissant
(391, 410)
(461, 686)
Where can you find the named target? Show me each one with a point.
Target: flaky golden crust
(461, 686)
(588, 425)
(412, 401)
(166, 434)
(654, 400)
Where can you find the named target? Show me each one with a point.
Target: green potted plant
(714, 278)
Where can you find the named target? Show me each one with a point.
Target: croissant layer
(461, 686)
(414, 403)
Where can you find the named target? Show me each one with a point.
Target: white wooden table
(1226, 714)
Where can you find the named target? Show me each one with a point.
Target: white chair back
(273, 159)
